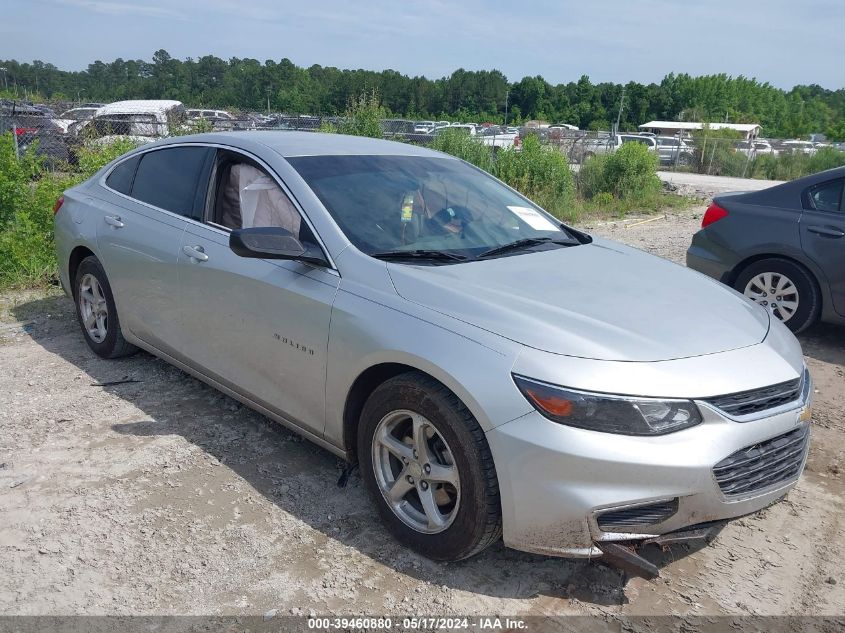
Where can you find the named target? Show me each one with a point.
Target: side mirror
(272, 242)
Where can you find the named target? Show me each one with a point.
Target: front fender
(365, 333)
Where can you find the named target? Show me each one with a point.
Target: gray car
(492, 371)
(782, 247)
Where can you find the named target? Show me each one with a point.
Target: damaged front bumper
(578, 493)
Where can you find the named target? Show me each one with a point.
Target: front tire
(96, 311)
(428, 468)
(786, 289)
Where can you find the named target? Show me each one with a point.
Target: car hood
(601, 300)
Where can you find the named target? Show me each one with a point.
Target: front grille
(639, 516)
(757, 400)
(763, 465)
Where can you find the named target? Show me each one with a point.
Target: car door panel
(139, 247)
(823, 235)
(823, 240)
(260, 326)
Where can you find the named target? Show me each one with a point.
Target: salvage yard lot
(127, 487)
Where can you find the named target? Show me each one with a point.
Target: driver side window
(246, 196)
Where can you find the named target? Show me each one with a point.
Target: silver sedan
(493, 372)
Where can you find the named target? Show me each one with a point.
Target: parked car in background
(782, 247)
(492, 371)
(399, 128)
(423, 127)
(607, 144)
(672, 150)
(797, 147)
(221, 120)
(142, 121)
(497, 138)
(198, 113)
(44, 110)
(33, 129)
(71, 121)
(463, 128)
(757, 147)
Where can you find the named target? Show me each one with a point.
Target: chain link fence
(55, 131)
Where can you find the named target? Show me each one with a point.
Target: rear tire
(469, 517)
(96, 311)
(795, 288)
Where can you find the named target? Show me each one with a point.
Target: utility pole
(619, 114)
(267, 90)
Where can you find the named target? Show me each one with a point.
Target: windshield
(411, 203)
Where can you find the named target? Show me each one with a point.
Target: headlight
(609, 413)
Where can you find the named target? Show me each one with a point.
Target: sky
(783, 42)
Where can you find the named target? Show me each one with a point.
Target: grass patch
(606, 208)
(27, 195)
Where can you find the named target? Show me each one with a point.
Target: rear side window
(167, 178)
(638, 139)
(827, 196)
(120, 179)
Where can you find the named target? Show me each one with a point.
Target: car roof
(139, 106)
(788, 194)
(290, 143)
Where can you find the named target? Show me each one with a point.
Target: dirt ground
(162, 496)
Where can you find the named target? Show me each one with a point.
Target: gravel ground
(162, 496)
(709, 185)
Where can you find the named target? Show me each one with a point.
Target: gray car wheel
(427, 466)
(785, 289)
(96, 311)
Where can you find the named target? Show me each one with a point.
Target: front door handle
(114, 220)
(827, 231)
(195, 252)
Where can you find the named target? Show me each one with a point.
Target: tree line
(486, 95)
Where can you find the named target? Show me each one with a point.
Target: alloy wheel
(93, 308)
(416, 472)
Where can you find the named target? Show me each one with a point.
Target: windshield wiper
(523, 243)
(419, 254)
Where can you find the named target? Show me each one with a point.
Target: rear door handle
(114, 220)
(827, 231)
(195, 252)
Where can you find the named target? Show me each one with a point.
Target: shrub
(363, 116)
(604, 199)
(26, 241)
(719, 158)
(825, 158)
(631, 172)
(27, 196)
(788, 166)
(539, 172)
(627, 173)
(591, 177)
(465, 147)
(92, 159)
(15, 176)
